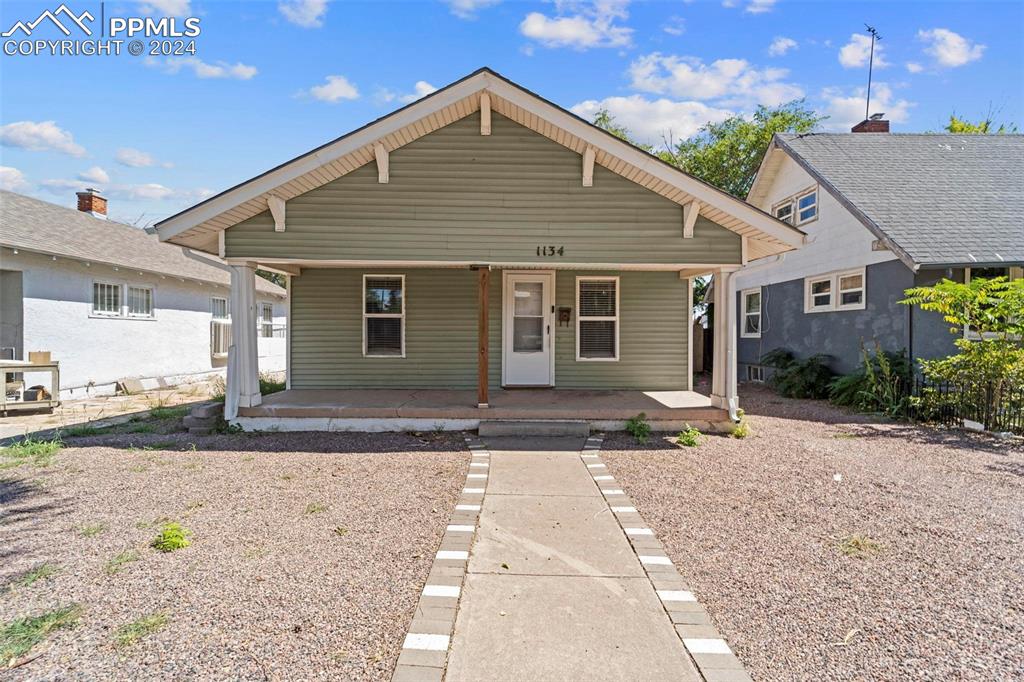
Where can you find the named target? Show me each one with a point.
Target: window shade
(598, 319)
(597, 339)
(597, 298)
(383, 336)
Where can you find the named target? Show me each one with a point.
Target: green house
(480, 254)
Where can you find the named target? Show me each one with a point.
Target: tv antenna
(871, 63)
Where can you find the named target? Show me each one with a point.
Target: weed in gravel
(315, 508)
(191, 465)
(21, 634)
(92, 530)
(139, 469)
(141, 427)
(858, 546)
(690, 437)
(172, 537)
(176, 412)
(192, 506)
(142, 525)
(286, 477)
(248, 458)
(639, 428)
(40, 572)
(39, 452)
(118, 562)
(845, 434)
(130, 633)
(161, 445)
(341, 531)
(82, 430)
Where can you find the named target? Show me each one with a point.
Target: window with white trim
(799, 208)
(1011, 273)
(140, 301)
(755, 373)
(384, 316)
(219, 308)
(846, 290)
(597, 318)
(106, 299)
(751, 314)
(266, 320)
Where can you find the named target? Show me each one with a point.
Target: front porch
(427, 409)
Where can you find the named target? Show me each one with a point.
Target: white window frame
(755, 373)
(92, 299)
(227, 307)
(405, 307)
(744, 334)
(793, 201)
(152, 302)
(1013, 272)
(834, 304)
(599, 318)
(267, 326)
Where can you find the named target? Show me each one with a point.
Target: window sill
(750, 336)
(579, 359)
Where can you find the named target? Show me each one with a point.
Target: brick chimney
(92, 203)
(875, 124)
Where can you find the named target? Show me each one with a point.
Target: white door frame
(506, 301)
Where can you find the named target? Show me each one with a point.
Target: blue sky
(271, 80)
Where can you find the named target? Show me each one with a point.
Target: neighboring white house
(111, 302)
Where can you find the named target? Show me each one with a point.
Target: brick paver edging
(702, 640)
(424, 654)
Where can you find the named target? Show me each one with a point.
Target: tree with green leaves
(962, 126)
(604, 120)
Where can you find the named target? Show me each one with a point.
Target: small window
(140, 301)
(784, 212)
(384, 315)
(851, 291)
(219, 308)
(755, 373)
(106, 299)
(836, 291)
(597, 319)
(1011, 273)
(807, 207)
(751, 314)
(266, 320)
(820, 297)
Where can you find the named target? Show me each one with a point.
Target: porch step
(519, 427)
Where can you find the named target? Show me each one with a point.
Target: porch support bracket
(690, 213)
(589, 156)
(485, 114)
(381, 154)
(276, 205)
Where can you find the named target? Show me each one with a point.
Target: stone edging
(702, 640)
(424, 654)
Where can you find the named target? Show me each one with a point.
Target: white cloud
(580, 25)
(12, 179)
(759, 6)
(148, 191)
(950, 49)
(203, 69)
(95, 174)
(856, 52)
(781, 45)
(336, 88)
(914, 67)
(652, 121)
(305, 13)
(730, 82)
(40, 136)
(467, 9)
(167, 8)
(676, 26)
(136, 158)
(847, 109)
(419, 90)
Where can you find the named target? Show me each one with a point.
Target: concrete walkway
(554, 589)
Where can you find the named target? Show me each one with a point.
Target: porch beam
(689, 273)
(485, 114)
(276, 206)
(690, 213)
(381, 154)
(483, 333)
(589, 156)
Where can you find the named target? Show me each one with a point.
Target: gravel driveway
(755, 525)
(308, 552)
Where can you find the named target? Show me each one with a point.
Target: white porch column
(243, 380)
(723, 373)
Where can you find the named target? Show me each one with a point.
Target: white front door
(527, 346)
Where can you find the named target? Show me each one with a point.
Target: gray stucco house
(882, 212)
(480, 254)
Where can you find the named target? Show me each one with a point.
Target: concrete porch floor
(526, 403)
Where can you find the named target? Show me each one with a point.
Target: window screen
(597, 330)
(106, 298)
(140, 301)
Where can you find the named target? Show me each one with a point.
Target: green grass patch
(315, 508)
(270, 385)
(172, 537)
(39, 452)
(119, 561)
(130, 633)
(21, 634)
(140, 427)
(83, 430)
(174, 412)
(40, 572)
(859, 546)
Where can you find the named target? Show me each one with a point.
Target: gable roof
(200, 225)
(936, 200)
(41, 227)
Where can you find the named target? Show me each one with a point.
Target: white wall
(840, 241)
(101, 350)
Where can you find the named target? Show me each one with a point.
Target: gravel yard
(756, 526)
(307, 555)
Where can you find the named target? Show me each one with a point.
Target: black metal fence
(997, 406)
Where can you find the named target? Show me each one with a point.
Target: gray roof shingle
(943, 199)
(34, 225)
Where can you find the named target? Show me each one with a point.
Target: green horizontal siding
(441, 327)
(457, 195)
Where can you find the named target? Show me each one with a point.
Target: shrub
(690, 437)
(794, 378)
(21, 634)
(172, 537)
(639, 428)
(741, 430)
(878, 386)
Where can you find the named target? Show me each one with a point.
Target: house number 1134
(550, 251)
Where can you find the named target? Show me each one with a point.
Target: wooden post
(483, 331)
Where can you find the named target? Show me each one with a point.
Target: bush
(171, 538)
(794, 378)
(639, 428)
(880, 385)
(690, 437)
